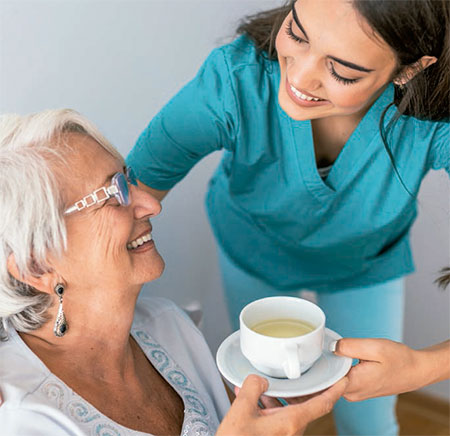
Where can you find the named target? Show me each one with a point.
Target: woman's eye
(341, 79)
(111, 201)
(292, 35)
(336, 76)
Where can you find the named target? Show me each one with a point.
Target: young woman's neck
(330, 136)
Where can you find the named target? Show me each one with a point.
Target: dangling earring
(61, 326)
(399, 83)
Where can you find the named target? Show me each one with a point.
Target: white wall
(118, 62)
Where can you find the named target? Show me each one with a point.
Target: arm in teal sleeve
(200, 119)
(439, 156)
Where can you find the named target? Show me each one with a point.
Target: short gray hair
(31, 207)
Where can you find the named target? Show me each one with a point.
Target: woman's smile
(303, 98)
(142, 243)
(324, 47)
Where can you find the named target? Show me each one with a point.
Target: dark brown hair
(444, 280)
(263, 27)
(412, 28)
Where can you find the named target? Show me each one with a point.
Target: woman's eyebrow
(106, 180)
(340, 61)
(297, 21)
(351, 65)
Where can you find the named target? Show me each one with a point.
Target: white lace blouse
(37, 403)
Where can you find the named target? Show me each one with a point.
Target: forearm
(390, 368)
(434, 363)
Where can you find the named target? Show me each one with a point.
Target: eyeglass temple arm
(83, 203)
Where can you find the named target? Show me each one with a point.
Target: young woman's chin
(303, 113)
(300, 112)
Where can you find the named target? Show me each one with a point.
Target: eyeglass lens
(123, 194)
(131, 176)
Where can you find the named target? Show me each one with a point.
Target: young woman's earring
(399, 83)
(60, 328)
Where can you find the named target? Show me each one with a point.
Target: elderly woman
(79, 353)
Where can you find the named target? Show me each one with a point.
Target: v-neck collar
(347, 163)
(197, 418)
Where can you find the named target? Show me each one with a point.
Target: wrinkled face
(100, 253)
(329, 64)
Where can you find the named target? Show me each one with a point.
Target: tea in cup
(282, 336)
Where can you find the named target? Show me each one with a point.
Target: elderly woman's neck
(97, 340)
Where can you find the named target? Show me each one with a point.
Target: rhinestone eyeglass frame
(105, 193)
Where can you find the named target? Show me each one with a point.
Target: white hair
(31, 207)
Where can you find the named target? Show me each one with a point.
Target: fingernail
(332, 346)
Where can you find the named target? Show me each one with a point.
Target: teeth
(303, 96)
(139, 241)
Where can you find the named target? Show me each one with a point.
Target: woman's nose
(143, 203)
(304, 73)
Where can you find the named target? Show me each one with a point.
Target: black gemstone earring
(60, 328)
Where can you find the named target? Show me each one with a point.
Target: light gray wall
(427, 308)
(118, 62)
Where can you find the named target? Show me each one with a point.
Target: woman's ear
(42, 282)
(411, 70)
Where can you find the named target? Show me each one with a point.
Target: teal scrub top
(270, 210)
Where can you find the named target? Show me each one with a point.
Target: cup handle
(291, 366)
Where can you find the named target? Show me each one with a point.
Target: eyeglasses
(118, 189)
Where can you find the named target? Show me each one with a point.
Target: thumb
(250, 392)
(319, 405)
(359, 348)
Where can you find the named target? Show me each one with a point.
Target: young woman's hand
(387, 367)
(245, 417)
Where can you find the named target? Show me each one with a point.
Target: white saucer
(324, 373)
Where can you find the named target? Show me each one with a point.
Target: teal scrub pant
(365, 312)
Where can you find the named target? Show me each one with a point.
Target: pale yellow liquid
(283, 328)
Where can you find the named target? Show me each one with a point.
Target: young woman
(330, 113)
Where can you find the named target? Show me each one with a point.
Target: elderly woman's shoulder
(20, 371)
(24, 422)
(26, 408)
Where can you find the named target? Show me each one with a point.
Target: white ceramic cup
(281, 357)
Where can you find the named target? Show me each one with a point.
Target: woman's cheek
(348, 99)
